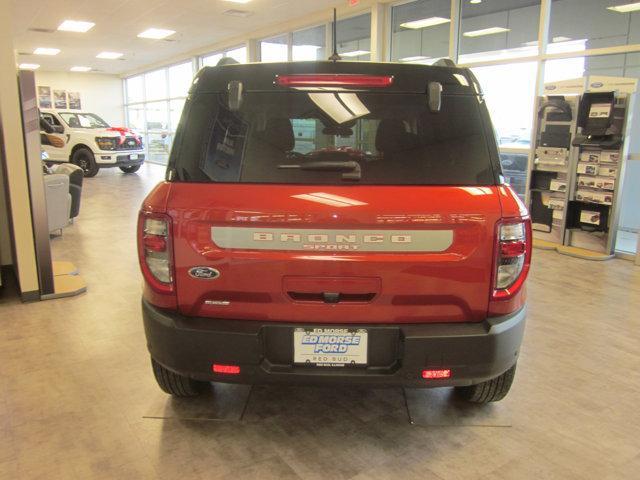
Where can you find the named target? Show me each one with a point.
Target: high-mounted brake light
(334, 80)
(513, 257)
(155, 252)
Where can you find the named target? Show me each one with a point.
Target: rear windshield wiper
(351, 169)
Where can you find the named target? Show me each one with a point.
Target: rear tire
(130, 169)
(174, 384)
(83, 157)
(492, 390)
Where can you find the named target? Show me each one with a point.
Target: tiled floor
(78, 400)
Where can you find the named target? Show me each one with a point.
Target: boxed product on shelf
(604, 198)
(606, 183)
(608, 171)
(587, 168)
(558, 186)
(558, 214)
(588, 216)
(590, 156)
(609, 156)
(552, 155)
(556, 203)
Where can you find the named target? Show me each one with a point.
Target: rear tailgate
(339, 254)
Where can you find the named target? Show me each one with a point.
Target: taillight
(334, 80)
(154, 248)
(513, 257)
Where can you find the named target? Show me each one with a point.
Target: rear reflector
(334, 80)
(435, 374)
(226, 369)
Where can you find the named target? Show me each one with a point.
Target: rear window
(333, 138)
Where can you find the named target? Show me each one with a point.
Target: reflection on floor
(78, 400)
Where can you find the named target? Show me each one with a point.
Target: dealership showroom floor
(78, 399)
(463, 165)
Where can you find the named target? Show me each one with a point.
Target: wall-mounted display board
(577, 168)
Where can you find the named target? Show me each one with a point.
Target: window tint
(333, 138)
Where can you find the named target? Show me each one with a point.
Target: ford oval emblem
(204, 273)
(597, 84)
(550, 87)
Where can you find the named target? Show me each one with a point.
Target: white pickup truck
(89, 142)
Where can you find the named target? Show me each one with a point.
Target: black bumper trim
(398, 353)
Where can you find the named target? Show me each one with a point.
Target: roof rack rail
(444, 62)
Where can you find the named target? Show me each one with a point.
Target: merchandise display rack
(577, 164)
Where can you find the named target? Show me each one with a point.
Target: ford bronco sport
(335, 223)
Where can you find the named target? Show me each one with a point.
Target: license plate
(133, 157)
(330, 347)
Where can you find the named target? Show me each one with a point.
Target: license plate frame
(133, 156)
(331, 347)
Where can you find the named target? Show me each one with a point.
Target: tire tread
(174, 384)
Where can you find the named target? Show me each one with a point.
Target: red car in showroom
(335, 223)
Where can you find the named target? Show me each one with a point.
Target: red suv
(335, 223)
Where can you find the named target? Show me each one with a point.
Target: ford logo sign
(204, 273)
(597, 84)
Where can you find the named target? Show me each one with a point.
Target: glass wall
(354, 38)
(599, 23)
(275, 49)
(153, 106)
(309, 44)
(239, 54)
(498, 30)
(420, 31)
(509, 91)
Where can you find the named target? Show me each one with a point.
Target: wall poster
(60, 99)
(74, 100)
(44, 97)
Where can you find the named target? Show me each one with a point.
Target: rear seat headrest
(279, 133)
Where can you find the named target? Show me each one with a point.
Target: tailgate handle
(331, 297)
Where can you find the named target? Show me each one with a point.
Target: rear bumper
(474, 352)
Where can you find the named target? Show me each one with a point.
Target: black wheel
(130, 169)
(492, 390)
(175, 384)
(83, 157)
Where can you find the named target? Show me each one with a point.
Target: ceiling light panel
(109, 55)
(425, 22)
(156, 33)
(76, 26)
(237, 1)
(28, 66)
(80, 69)
(486, 31)
(46, 51)
(626, 8)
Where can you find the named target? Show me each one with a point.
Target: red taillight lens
(436, 374)
(154, 249)
(226, 369)
(155, 243)
(513, 257)
(334, 80)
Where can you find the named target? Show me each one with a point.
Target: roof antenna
(334, 56)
